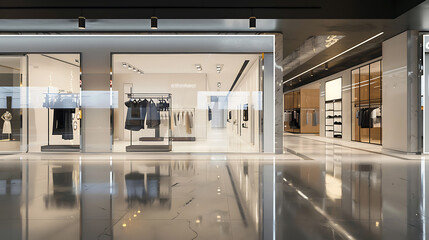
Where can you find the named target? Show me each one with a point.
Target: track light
(154, 22)
(326, 66)
(130, 67)
(81, 22)
(219, 68)
(252, 22)
(300, 79)
(311, 73)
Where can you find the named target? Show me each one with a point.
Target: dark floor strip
(298, 154)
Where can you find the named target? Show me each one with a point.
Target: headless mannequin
(7, 129)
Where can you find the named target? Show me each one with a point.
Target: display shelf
(333, 119)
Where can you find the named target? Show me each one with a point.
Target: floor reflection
(112, 198)
(322, 191)
(347, 193)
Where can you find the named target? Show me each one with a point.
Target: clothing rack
(185, 138)
(152, 147)
(48, 104)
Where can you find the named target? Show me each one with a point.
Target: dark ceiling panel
(358, 56)
(204, 9)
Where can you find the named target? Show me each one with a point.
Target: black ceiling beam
(202, 9)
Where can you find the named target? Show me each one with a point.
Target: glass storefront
(367, 103)
(40, 103)
(159, 102)
(186, 102)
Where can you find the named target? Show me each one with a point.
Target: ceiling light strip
(332, 58)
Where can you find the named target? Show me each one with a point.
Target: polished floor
(319, 189)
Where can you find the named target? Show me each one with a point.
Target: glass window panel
(12, 103)
(375, 130)
(364, 85)
(375, 82)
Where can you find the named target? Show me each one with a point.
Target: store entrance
(186, 102)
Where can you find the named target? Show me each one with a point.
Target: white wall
(246, 91)
(184, 88)
(47, 73)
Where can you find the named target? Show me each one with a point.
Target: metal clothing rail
(369, 105)
(150, 95)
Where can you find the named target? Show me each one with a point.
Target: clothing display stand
(61, 101)
(301, 111)
(183, 129)
(333, 122)
(156, 138)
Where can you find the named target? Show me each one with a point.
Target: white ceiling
(71, 58)
(185, 63)
(10, 62)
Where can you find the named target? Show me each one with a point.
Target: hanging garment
(246, 112)
(188, 123)
(183, 118)
(171, 122)
(308, 117)
(360, 116)
(63, 123)
(365, 117)
(153, 117)
(136, 114)
(210, 114)
(376, 117)
(315, 118)
(191, 120)
(7, 117)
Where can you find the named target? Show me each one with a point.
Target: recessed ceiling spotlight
(198, 66)
(154, 22)
(81, 22)
(135, 69)
(326, 66)
(252, 23)
(124, 65)
(130, 67)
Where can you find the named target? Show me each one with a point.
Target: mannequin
(7, 129)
